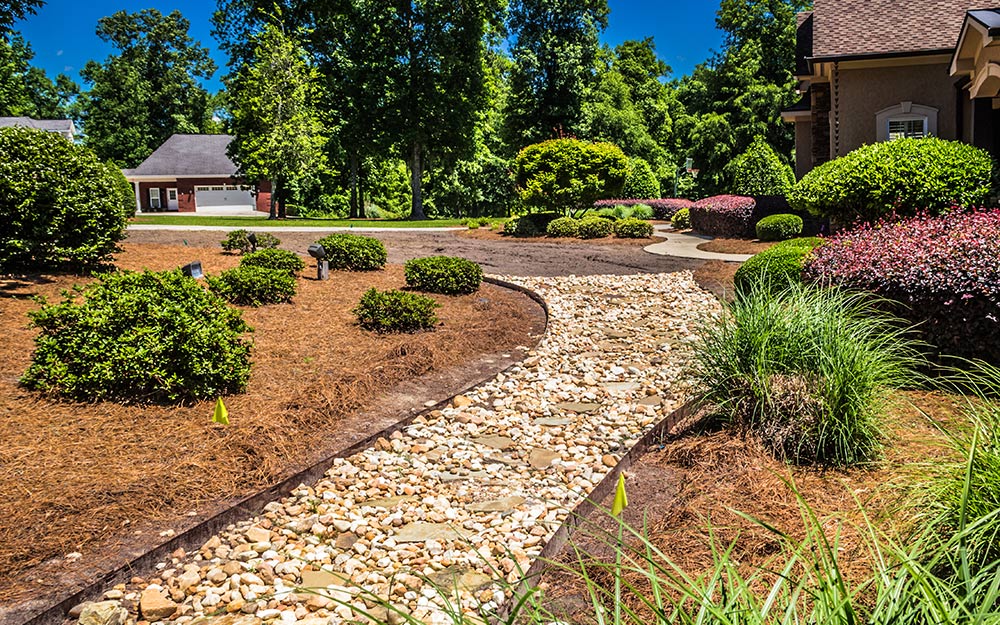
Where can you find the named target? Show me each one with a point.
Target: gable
(189, 155)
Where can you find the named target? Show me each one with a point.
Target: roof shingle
(189, 155)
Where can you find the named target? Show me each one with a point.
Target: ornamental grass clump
(943, 270)
(723, 216)
(254, 286)
(140, 337)
(395, 311)
(354, 252)
(806, 370)
(282, 260)
(443, 274)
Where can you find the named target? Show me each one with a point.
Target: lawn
(250, 222)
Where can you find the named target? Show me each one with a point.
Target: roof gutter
(877, 55)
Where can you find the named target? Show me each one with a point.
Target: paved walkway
(256, 228)
(685, 245)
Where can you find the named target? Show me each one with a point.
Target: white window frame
(906, 111)
(154, 199)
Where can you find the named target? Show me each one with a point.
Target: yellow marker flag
(221, 414)
(621, 499)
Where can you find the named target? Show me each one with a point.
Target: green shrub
(569, 175)
(274, 259)
(611, 213)
(760, 172)
(523, 226)
(642, 211)
(905, 177)
(444, 274)
(253, 286)
(563, 227)
(59, 205)
(354, 252)
(239, 241)
(633, 229)
(139, 337)
(777, 267)
(640, 182)
(485, 222)
(806, 370)
(779, 227)
(595, 228)
(681, 219)
(395, 311)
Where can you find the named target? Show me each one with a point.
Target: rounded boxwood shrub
(59, 205)
(777, 267)
(779, 227)
(760, 171)
(140, 337)
(904, 177)
(563, 227)
(640, 182)
(239, 241)
(395, 311)
(254, 286)
(443, 274)
(633, 229)
(595, 228)
(354, 252)
(274, 259)
(564, 175)
(681, 219)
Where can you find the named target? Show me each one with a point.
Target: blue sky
(62, 33)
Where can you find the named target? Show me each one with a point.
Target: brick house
(877, 70)
(191, 174)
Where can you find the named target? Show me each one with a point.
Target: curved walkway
(685, 245)
(464, 496)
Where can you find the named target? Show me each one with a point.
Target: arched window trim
(906, 111)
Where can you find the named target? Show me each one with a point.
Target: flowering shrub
(723, 215)
(663, 209)
(943, 269)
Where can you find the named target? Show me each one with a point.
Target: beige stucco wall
(865, 92)
(803, 147)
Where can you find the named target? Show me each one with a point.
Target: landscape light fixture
(322, 264)
(252, 238)
(193, 270)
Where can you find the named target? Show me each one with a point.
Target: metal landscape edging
(192, 538)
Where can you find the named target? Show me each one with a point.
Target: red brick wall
(264, 196)
(144, 188)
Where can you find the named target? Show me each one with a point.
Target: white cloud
(59, 53)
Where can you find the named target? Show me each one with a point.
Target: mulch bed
(485, 234)
(735, 246)
(89, 477)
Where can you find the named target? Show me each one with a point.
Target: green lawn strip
(259, 222)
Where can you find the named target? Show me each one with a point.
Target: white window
(906, 120)
(219, 188)
(154, 199)
(203, 188)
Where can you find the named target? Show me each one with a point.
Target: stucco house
(62, 127)
(877, 70)
(193, 173)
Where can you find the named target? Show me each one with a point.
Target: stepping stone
(616, 334)
(322, 579)
(463, 579)
(578, 407)
(496, 442)
(500, 505)
(388, 502)
(419, 532)
(652, 400)
(553, 421)
(542, 458)
(621, 387)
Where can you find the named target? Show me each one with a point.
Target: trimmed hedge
(760, 172)
(59, 205)
(239, 241)
(443, 274)
(564, 227)
(944, 270)
(723, 216)
(595, 228)
(903, 177)
(395, 311)
(253, 286)
(354, 252)
(633, 229)
(777, 267)
(663, 209)
(274, 259)
(681, 219)
(140, 337)
(779, 227)
(566, 175)
(640, 182)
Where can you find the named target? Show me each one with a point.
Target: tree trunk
(416, 175)
(272, 213)
(281, 198)
(355, 196)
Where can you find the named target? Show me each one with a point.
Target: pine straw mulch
(735, 246)
(485, 234)
(85, 477)
(687, 494)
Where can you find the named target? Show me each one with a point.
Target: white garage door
(223, 197)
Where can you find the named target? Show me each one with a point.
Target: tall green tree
(149, 90)
(13, 10)
(555, 49)
(26, 90)
(277, 132)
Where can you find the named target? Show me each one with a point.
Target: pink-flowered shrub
(724, 216)
(944, 270)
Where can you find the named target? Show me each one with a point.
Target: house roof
(849, 28)
(189, 155)
(52, 125)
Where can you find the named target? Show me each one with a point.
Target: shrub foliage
(140, 337)
(239, 241)
(569, 175)
(395, 311)
(779, 227)
(282, 260)
(640, 182)
(354, 252)
(905, 177)
(254, 286)
(775, 268)
(633, 229)
(943, 269)
(59, 205)
(723, 216)
(663, 209)
(564, 227)
(595, 228)
(681, 219)
(444, 274)
(760, 171)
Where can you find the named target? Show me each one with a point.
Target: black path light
(322, 264)
(193, 270)
(252, 238)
